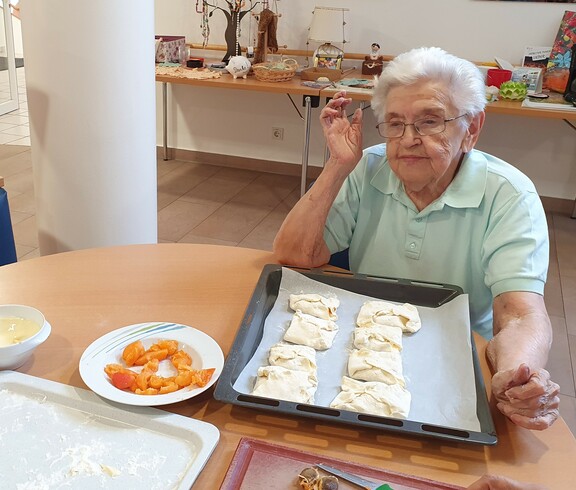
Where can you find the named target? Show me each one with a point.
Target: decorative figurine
(373, 64)
(238, 66)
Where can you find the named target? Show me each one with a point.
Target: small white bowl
(13, 356)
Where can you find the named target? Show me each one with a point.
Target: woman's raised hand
(343, 137)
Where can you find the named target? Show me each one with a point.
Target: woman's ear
(473, 132)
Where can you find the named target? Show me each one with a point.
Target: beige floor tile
(553, 294)
(569, 298)
(23, 203)
(167, 166)
(568, 412)
(267, 191)
(559, 362)
(262, 237)
(572, 345)
(31, 255)
(6, 151)
(180, 217)
(565, 233)
(215, 190)
(232, 222)
(179, 181)
(18, 216)
(23, 250)
(22, 141)
(17, 130)
(26, 232)
(21, 182)
(15, 163)
(192, 238)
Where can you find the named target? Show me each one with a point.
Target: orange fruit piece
(132, 352)
(181, 359)
(160, 355)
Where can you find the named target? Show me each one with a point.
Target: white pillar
(92, 107)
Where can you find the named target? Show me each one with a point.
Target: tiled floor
(210, 204)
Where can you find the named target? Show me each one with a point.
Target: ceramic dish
(204, 350)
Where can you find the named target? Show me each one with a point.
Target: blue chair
(7, 246)
(340, 259)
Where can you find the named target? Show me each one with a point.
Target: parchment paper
(437, 360)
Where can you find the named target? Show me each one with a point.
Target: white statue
(238, 66)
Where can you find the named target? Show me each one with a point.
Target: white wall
(239, 123)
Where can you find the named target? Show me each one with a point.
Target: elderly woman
(427, 206)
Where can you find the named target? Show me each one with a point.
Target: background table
(85, 294)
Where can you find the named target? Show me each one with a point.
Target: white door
(8, 83)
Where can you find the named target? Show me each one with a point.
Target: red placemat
(259, 465)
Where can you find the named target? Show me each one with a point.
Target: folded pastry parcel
(285, 384)
(315, 305)
(383, 313)
(309, 330)
(374, 398)
(371, 365)
(290, 356)
(378, 338)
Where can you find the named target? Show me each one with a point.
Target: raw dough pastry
(383, 313)
(285, 384)
(309, 330)
(370, 365)
(315, 305)
(290, 356)
(378, 337)
(374, 398)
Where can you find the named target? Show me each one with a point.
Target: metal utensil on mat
(356, 480)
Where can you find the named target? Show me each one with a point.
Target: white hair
(463, 80)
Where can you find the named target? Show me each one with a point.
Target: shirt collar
(465, 191)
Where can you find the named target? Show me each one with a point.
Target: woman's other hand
(529, 398)
(491, 482)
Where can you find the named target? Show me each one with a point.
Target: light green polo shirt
(487, 233)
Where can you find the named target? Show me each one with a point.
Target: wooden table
(85, 294)
(227, 81)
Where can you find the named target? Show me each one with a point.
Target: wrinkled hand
(344, 138)
(528, 398)
(490, 482)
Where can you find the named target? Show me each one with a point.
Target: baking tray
(250, 470)
(54, 436)
(420, 293)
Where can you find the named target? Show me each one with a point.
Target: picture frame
(330, 62)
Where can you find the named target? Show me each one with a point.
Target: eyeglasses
(424, 127)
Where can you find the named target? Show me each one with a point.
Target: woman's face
(426, 164)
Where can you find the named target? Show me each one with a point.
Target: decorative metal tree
(234, 16)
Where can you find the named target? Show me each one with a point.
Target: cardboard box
(167, 48)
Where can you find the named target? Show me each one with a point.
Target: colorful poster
(558, 68)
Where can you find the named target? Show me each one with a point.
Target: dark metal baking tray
(249, 335)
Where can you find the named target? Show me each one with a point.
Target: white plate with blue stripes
(203, 349)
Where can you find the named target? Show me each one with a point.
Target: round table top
(85, 294)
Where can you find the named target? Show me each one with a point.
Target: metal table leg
(305, 151)
(165, 119)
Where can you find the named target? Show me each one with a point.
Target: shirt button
(412, 245)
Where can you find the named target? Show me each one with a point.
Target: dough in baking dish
(370, 365)
(374, 398)
(315, 305)
(378, 337)
(290, 356)
(285, 384)
(383, 313)
(309, 330)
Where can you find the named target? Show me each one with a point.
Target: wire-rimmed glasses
(424, 127)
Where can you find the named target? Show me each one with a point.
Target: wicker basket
(281, 71)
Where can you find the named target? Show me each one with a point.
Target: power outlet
(278, 134)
